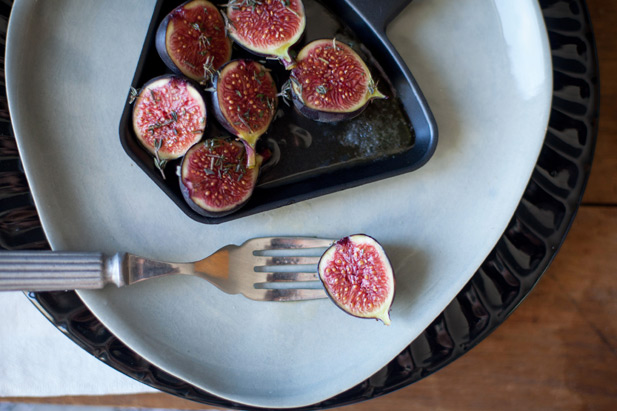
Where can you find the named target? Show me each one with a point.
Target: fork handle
(55, 271)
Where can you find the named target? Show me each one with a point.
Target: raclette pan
(310, 159)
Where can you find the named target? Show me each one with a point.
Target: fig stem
(374, 91)
(250, 154)
(385, 318)
(378, 94)
(287, 61)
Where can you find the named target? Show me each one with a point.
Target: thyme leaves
(223, 165)
(133, 94)
(321, 89)
(158, 162)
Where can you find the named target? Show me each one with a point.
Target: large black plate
(519, 259)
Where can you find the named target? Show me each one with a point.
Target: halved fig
(330, 82)
(358, 277)
(266, 27)
(191, 40)
(245, 101)
(214, 179)
(169, 116)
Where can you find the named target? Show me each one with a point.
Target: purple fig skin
(161, 44)
(190, 84)
(324, 116)
(203, 212)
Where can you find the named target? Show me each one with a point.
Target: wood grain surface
(558, 350)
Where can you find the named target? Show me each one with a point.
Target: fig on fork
(358, 277)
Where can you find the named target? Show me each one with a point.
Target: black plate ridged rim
(523, 253)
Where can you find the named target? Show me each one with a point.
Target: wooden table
(559, 348)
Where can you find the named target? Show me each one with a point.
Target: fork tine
(283, 277)
(265, 261)
(285, 243)
(286, 294)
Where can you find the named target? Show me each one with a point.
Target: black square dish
(310, 159)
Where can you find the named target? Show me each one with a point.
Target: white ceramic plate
(484, 68)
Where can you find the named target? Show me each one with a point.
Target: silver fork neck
(113, 269)
(139, 268)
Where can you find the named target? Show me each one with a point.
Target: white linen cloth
(37, 360)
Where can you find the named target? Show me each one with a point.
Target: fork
(262, 269)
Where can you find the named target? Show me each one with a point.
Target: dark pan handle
(378, 13)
